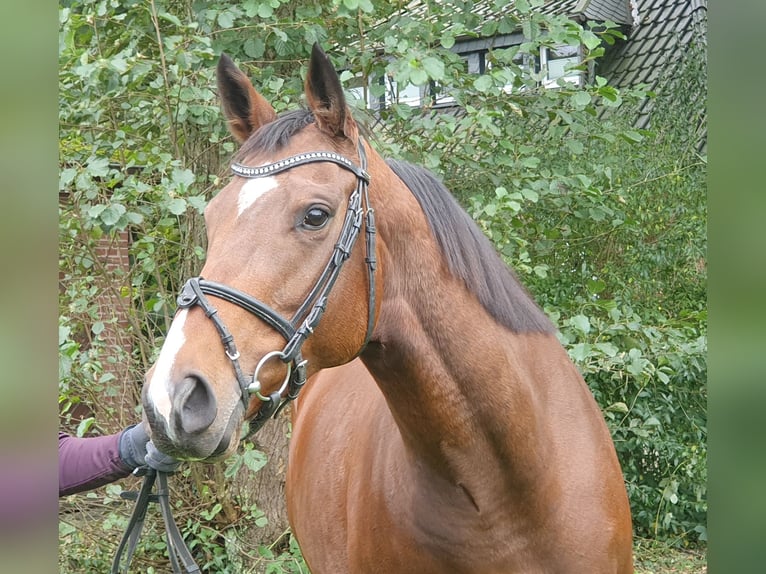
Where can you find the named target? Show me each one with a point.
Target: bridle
(297, 329)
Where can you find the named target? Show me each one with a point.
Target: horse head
(248, 333)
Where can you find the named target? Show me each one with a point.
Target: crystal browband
(296, 160)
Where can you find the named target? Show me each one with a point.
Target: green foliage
(604, 222)
(649, 379)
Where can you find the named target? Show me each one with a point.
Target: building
(659, 35)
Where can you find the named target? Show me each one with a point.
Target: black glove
(132, 447)
(137, 450)
(160, 461)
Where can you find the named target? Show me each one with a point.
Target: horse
(438, 423)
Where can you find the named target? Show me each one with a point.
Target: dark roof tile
(666, 26)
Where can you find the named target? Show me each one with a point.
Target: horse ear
(245, 109)
(325, 98)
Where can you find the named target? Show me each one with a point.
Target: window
(524, 62)
(559, 61)
(408, 94)
(556, 63)
(355, 86)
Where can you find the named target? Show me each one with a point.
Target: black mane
(471, 256)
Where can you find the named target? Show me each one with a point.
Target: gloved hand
(136, 450)
(160, 461)
(132, 447)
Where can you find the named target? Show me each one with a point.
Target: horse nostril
(194, 405)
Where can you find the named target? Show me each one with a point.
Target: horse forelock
(470, 255)
(275, 135)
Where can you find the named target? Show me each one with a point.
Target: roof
(663, 29)
(656, 44)
(617, 11)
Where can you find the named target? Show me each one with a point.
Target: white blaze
(159, 386)
(252, 190)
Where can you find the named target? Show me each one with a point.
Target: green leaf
(636, 366)
(265, 11)
(596, 285)
(64, 332)
(418, 76)
(233, 464)
(254, 459)
(95, 210)
(184, 177)
(590, 40)
(65, 529)
(632, 136)
(618, 407)
(84, 426)
(111, 215)
(225, 19)
(531, 162)
(66, 177)
(172, 18)
(483, 83)
(575, 146)
(197, 202)
(98, 167)
(541, 271)
(580, 352)
(176, 206)
(609, 349)
(580, 99)
(250, 7)
(581, 323)
(434, 67)
(366, 6)
(530, 195)
(134, 218)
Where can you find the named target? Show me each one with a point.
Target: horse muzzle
(194, 427)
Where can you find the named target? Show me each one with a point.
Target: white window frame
(574, 77)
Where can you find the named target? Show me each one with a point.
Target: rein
(295, 331)
(177, 550)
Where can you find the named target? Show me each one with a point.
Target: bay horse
(442, 427)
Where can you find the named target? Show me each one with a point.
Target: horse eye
(316, 218)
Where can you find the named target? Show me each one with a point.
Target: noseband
(297, 329)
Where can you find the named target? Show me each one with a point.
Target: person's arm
(87, 463)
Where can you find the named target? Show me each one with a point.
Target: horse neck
(462, 389)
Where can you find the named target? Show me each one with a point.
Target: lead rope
(177, 550)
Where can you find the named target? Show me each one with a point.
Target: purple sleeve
(87, 463)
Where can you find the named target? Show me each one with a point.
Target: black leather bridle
(295, 331)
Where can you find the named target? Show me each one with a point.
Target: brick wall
(111, 271)
(113, 304)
